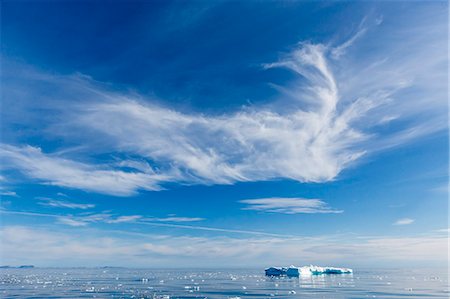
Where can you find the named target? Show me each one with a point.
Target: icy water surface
(172, 284)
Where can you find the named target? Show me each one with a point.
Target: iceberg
(282, 271)
(316, 270)
(275, 271)
(293, 271)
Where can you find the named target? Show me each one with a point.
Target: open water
(223, 283)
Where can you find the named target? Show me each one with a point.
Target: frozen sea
(220, 283)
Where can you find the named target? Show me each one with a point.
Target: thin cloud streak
(214, 229)
(9, 193)
(288, 205)
(340, 50)
(57, 203)
(404, 221)
(85, 220)
(175, 219)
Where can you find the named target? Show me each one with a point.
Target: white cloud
(56, 203)
(4, 189)
(82, 219)
(58, 171)
(250, 145)
(175, 219)
(9, 193)
(71, 221)
(122, 219)
(85, 219)
(318, 127)
(340, 50)
(404, 221)
(213, 229)
(109, 218)
(86, 247)
(171, 222)
(288, 205)
(441, 188)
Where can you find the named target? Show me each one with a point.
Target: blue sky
(165, 134)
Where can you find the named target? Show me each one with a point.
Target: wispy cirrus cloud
(288, 205)
(404, 221)
(58, 203)
(54, 170)
(71, 221)
(104, 217)
(250, 145)
(170, 222)
(85, 219)
(175, 219)
(4, 191)
(339, 50)
(326, 128)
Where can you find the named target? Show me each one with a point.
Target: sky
(224, 133)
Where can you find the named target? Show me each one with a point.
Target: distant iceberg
(276, 271)
(293, 271)
(316, 270)
(18, 267)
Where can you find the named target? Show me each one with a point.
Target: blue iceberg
(275, 271)
(293, 271)
(316, 270)
(282, 271)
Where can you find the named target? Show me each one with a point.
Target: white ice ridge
(305, 271)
